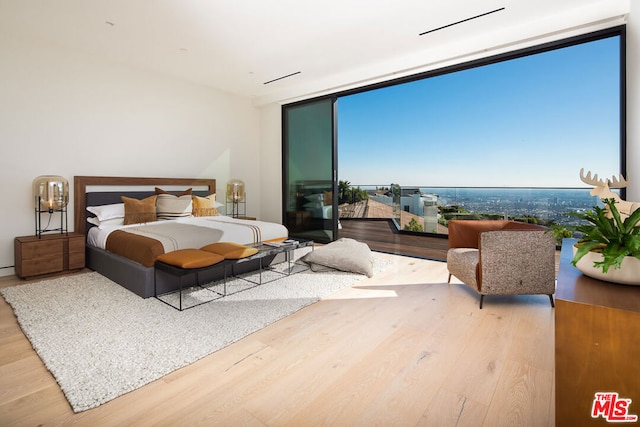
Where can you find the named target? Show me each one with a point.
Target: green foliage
(560, 232)
(413, 226)
(527, 219)
(608, 234)
(343, 191)
(349, 194)
(396, 191)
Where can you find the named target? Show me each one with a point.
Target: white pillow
(111, 222)
(105, 212)
(318, 197)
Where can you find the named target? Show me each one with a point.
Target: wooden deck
(381, 235)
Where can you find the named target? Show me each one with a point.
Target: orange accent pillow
(139, 211)
(204, 206)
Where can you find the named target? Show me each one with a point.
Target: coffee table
(272, 249)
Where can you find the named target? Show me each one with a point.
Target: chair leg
(449, 279)
(551, 299)
(481, 300)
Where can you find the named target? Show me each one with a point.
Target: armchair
(500, 257)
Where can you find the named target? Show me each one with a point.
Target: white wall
(71, 114)
(633, 102)
(271, 160)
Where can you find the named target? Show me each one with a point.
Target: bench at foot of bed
(185, 262)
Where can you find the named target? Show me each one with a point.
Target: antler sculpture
(601, 188)
(614, 182)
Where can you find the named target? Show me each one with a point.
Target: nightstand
(51, 253)
(252, 218)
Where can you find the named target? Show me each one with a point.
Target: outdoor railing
(428, 209)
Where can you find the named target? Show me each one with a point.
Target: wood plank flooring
(402, 348)
(381, 235)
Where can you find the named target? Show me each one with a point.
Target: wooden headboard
(80, 184)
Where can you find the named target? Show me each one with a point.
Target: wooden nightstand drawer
(41, 249)
(51, 253)
(76, 252)
(44, 265)
(76, 244)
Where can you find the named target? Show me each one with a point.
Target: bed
(315, 197)
(126, 253)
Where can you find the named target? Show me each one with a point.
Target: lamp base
(44, 228)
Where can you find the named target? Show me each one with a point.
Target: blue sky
(530, 122)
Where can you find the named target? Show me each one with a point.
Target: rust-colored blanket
(138, 248)
(143, 243)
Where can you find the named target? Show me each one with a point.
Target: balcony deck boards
(382, 236)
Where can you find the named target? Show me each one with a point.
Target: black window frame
(619, 31)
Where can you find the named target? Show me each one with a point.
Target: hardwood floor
(402, 348)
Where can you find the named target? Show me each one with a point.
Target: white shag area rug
(100, 340)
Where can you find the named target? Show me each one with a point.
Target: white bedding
(195, 232)
(320, 211)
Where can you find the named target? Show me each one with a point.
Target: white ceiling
(238, 45)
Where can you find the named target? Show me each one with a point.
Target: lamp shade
(50, 192)
(235, 190)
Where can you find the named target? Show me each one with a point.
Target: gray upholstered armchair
(502, 257)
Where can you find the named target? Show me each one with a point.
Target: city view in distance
(545, 206)
(548, 205)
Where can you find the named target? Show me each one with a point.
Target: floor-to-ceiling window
(500, 137)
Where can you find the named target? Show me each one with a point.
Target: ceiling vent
(460, 22)
(283, 77)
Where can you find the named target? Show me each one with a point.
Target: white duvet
(195, 232)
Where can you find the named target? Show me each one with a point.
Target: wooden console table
(597, 343)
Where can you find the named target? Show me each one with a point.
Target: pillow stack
(107, 215)
(160, 206)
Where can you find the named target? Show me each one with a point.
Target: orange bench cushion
(190, 258)
(230, 250)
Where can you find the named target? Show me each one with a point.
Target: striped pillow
(169, 206)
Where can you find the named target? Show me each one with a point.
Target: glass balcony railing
(428, 209)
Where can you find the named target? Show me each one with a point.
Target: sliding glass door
(309, 170)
